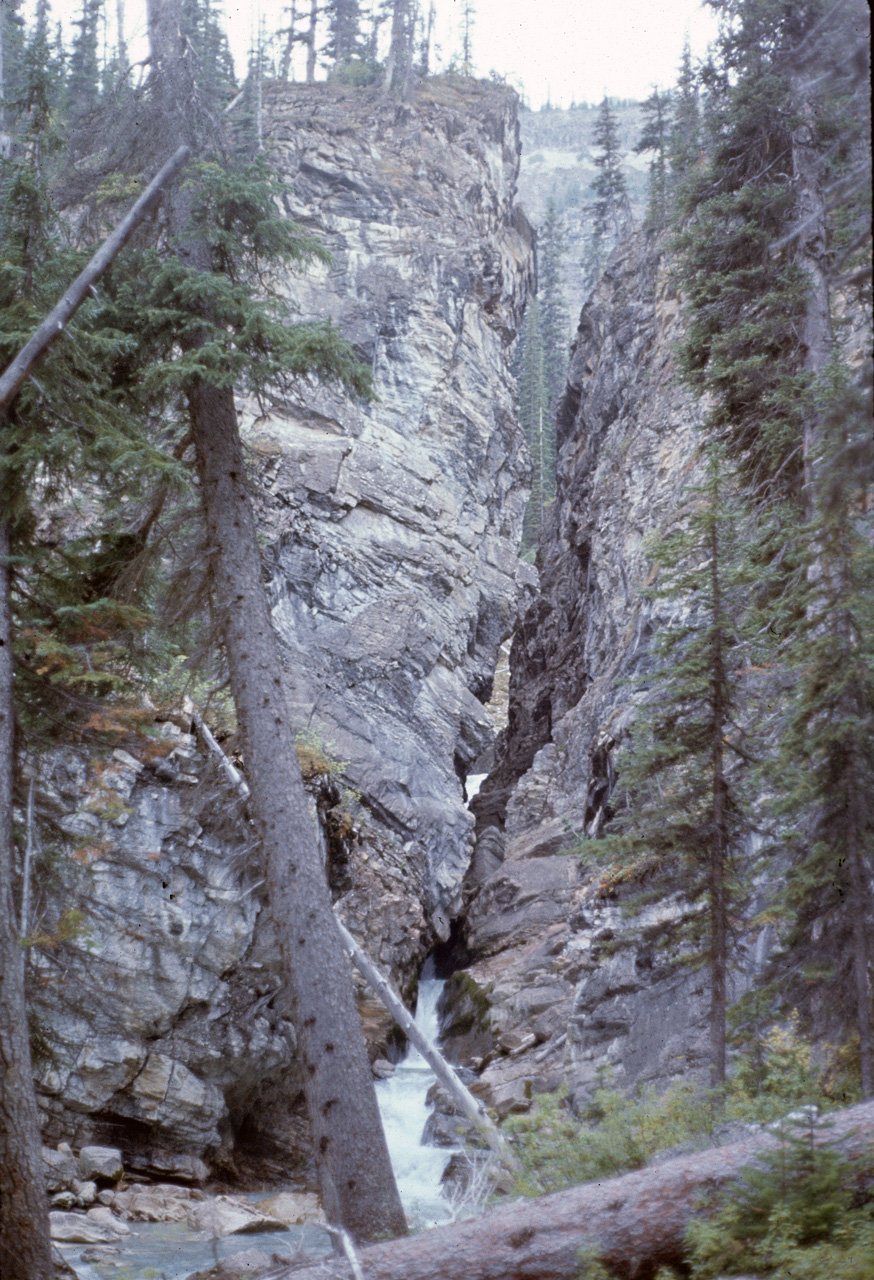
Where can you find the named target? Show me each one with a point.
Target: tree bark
(355, 1174)
(311, 41)
(634, 1223)
(25, 1246)
(719, 835)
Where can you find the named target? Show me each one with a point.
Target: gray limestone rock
(390, 532)
(393, 526)
(102, 1163)
(571, 976)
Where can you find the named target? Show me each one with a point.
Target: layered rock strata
(568, 986)
(390, 530)
(162, 1022)
(392, 526)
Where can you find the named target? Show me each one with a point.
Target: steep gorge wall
(392, 527)
(390, 534)
(564, 985)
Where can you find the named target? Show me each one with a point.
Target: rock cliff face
(566, 983)
(392, 527)
(390, 533)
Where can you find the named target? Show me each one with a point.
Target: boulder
(293, 1207)
(156, 1203)
(101, 1164)
(225, 1216)
(60, 1168)
(78, 1228)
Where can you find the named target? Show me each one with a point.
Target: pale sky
(569, 50)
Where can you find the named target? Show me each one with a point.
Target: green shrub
(557, 1149)
(794, 1216)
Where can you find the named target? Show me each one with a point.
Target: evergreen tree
(825, 763)
(60, 430)
(655, 137)
(84, 81)
(344, 36)
(399, 64)
(468, 13)
(787, 176)
(611, 207)
(685, 135)
(12, 44)
(204, 29)
(684, 823)
(208, 332)
(552, 247)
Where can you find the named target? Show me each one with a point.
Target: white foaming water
(418, 1169)
(473, 783)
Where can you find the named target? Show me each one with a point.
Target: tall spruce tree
(552, 248)
(611, 207)
(655, 137)
(59, 430)
(684, 143)
(684, 823)
(344, 30)
(534, 419)
(84, 79)
(825, 763)
(788, 171)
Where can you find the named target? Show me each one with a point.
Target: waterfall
(418, 1168)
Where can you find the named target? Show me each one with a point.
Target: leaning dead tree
(56, 322)
(634, 1223)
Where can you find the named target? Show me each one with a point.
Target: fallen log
(634, 1223)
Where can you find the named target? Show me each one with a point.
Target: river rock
(293, 1207)
(60, 1168)
(225, 1216)
(241, 1266)
(78, 1228)
(101, 1163)
(156, 1203)
(104, 1217)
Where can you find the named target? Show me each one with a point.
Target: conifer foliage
(769, 171)
(684, 781)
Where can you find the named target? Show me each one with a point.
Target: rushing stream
(171, 1252)
(418, 1168)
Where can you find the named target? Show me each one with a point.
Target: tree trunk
(634, 1223)
(827, 569)
(25, 1246)
(58, 318)
(356, 1179)
(285, 64)
(355, 1175)
(719, 835)
(311, 42)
